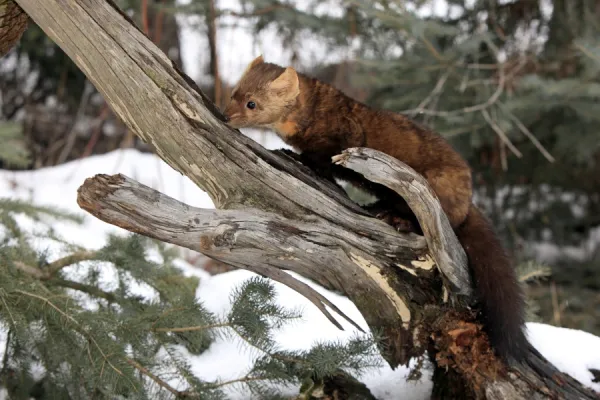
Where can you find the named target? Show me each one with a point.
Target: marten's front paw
(399, 223)
(385, 216)
(403, 225)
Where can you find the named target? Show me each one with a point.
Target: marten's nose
(226, 118)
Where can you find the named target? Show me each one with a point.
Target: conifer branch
(339, 378)
(89, 289)
(71, 259)
(474, 108)
(51, 269)
(80, 328)
(266, 351)
(431, 48)
(193, 328)
(531, 271)
(527, 133)
(44, 275)
(244, 379)
(256, 13)
(435, 92)
(541, 273)
(12, 319)
(586, 51)
(28, 269)
(156, 379)
(501, 133)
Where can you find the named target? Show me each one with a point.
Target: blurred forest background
(514, 85)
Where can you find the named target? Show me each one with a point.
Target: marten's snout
(232, 114)
(228, 112)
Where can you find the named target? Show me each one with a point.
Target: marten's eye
(251, 105)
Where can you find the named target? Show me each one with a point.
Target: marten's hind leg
(454, 190)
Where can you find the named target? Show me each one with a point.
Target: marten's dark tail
(500, 295)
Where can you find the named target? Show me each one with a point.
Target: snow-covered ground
(572, 351)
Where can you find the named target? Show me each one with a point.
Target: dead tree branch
(267, 243)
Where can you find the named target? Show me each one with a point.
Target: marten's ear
(258, 60)
(254, 63)
(287, 85)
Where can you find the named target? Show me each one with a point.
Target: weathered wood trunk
(273, 215)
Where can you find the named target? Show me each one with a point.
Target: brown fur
(320, 121)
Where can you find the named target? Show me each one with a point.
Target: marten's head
(264, 95)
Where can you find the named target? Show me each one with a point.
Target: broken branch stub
(443, 244)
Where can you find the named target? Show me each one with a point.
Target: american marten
(319, 120)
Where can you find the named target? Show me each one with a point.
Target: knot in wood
(223, 236)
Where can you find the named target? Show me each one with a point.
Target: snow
(572, 351)
(229, 359)
(383, 382)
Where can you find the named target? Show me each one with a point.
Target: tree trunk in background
(164, 30)
(214, 55)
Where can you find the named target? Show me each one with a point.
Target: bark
(13, 22)
(272, 215)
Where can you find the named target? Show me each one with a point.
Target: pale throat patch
(285, 129)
